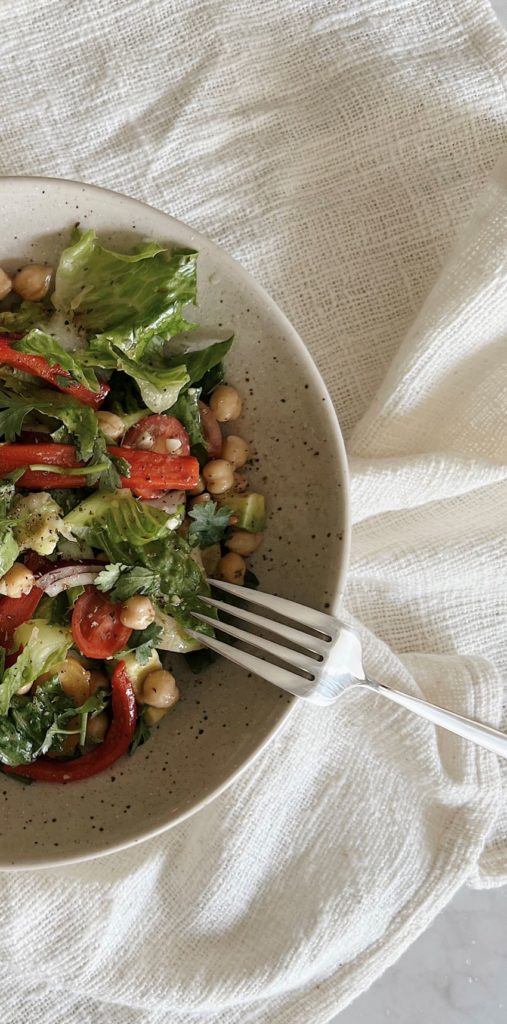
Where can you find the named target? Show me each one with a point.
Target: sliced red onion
(67, 576)
(168, 502)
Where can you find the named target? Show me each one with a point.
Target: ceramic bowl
(224, 718)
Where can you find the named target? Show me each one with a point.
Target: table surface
(456, 973)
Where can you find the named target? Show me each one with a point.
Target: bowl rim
(310, 367)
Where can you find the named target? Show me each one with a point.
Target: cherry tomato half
(96, 625)
(155, 431)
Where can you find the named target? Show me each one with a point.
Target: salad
(119, 496)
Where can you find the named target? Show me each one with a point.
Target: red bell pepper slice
(16, 610)
(116, 743)
(151, 473)
(39, 367)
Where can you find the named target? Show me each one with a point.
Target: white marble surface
(456, 973)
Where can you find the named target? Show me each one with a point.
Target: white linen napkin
(336, 149)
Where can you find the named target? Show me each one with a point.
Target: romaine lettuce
(43, 647)
(106, 290)
(40, 343)
(27, 315)
(79, 419)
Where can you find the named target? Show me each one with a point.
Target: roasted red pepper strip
(39, 367)
(151, 473)
(117, 741)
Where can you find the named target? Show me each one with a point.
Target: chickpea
(74, 680)
(5, 284)
(235, 450)
(218, 475)
(160, 690)
(97, 727)
(111, 425)
(232, 568)
(201, 499)
(32, 282)
(137, 613)
(17, 581)
(225, 403)
(243, 543)
(199, 487)
(98, 681)
(210, 558)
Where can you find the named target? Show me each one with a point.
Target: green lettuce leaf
(79, 420)
(133, 533)
(43, 647)
(39, 343)
(9, 550)
(9, 547)
(40, 723)
(28, 314)
(200, 361)
(158, 380)
(158, 383)
(186, 410)
(106, 290)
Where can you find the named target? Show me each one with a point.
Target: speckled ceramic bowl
(224, 718)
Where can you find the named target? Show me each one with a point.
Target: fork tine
(280, 677)
(290, 609)
(294, 658)
(294, 636)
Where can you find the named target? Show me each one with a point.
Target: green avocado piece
(250, 510)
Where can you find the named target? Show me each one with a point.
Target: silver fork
(329, 659)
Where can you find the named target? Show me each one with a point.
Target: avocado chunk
(37, 522)
(250, 510)
(86, 514)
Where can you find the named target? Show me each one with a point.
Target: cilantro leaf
(210, 524)
(142, 642)
(38, 724)
(108, 577)
(141, 735)
(125, 581)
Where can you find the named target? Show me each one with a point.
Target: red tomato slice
(155, 431)
(211, 431)
(96, 626)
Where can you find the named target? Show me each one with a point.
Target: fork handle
(483, 735)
